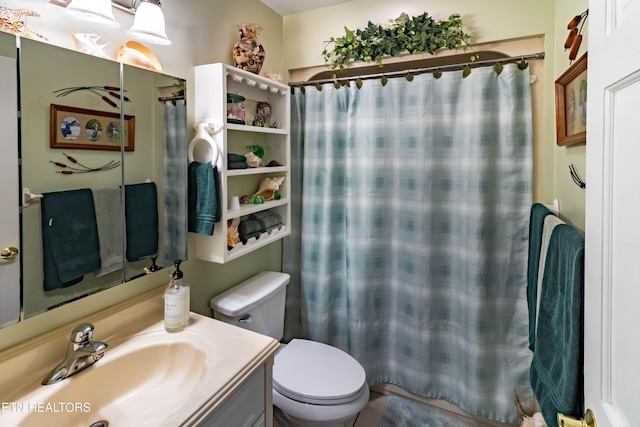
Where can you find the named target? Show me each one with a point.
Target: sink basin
(141, 380)
(147, 376)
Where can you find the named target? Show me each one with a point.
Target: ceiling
(289, 7)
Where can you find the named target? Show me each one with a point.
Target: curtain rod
(170, 98)
(539, 55)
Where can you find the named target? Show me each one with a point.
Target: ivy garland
(418, 34)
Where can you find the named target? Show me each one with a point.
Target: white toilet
(314, 384)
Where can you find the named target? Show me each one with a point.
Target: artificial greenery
(418, 34)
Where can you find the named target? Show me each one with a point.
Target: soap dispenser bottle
(176, 302)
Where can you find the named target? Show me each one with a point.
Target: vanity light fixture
(148, 24)
(97, 12)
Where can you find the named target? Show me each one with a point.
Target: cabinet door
(245, 407)
(9, 192)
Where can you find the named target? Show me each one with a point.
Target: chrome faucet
(82, 352)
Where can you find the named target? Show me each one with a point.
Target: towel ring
(203, 134)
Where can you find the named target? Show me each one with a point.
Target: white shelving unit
(212, 83)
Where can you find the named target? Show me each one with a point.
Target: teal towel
(141, 220)
(70, 244)
(536, 223)
(557, 366)
(203, 198)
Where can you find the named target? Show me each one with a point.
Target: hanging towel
(536, 224)
(550, 223)
(204, 205)
(557, 366)
(141, 217)
(108, 205)
(70, 244)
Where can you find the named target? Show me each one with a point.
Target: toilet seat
(316, 373)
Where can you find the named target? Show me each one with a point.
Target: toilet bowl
(314, 384)
(317, 384)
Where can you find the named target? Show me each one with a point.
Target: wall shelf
(212, 83)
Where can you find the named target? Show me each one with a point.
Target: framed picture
(80, 128)
(571, 104)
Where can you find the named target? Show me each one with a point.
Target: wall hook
(576, 178)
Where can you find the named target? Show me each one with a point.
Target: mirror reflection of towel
(70, 244)
(108, 203)
(141, 214)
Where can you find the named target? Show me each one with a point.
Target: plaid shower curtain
(409, 251)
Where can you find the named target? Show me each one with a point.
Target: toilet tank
(256, 304)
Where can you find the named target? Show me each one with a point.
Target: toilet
(314, 384)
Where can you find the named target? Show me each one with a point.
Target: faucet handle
(82, 333)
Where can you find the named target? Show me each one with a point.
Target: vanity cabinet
(213, 83)
(250, 405)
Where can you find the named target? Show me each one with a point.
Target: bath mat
(402, 412)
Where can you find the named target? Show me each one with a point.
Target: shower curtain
(175, 182)
(410, 219)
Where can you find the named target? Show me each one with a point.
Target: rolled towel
(237, 165)
(258, 223)
(231, 157)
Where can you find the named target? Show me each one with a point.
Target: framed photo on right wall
(571, 104)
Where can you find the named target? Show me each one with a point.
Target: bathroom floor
(394, 411)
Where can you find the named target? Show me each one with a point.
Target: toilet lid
(313, 372)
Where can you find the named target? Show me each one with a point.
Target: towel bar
(554, 207)
(28, 196)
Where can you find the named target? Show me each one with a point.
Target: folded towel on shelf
(237, 165)
(557, 366)
(236, 161)
(141, 220)
(203, 198)
(536, 224)
(70, 244)
(108, 206)
(231, 157)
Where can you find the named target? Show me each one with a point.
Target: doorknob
(589, 420)
(9, 253)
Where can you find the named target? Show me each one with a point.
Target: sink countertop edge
(143, 314)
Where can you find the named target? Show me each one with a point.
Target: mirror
(77, 139)
(159, 155)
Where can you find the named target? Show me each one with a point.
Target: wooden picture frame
(571, 104)
(84, 129)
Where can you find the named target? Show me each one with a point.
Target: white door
(9, 195)
(612, 256)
